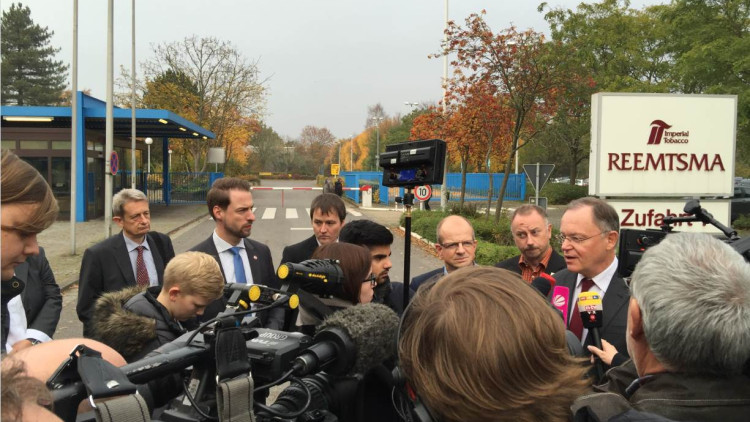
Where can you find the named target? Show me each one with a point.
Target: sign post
(335, 169)
(538, 175)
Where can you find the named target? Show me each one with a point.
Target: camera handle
(408, 203)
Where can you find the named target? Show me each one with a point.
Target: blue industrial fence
(477, 186)
(183, 187)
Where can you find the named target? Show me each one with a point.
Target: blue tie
(239, 267)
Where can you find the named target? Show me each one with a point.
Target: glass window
(34, 145)
(41, 164)
(8, 144)
(64, 145)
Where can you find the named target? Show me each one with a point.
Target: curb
(418, 237)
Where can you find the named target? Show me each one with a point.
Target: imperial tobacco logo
(659, 133)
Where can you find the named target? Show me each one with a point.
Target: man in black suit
(377, 239)
(327, 214)
(456, 247)
(532, 232)
(135, 256)
(41, 301)
(242, 260)
(588, 234)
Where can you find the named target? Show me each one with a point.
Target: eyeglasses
(468, 244)
(372, 280)
(575, 239)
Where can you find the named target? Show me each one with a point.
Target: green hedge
(490, 253)
(562, 193)
(742, 222)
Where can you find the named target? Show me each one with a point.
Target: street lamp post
(169, 166)
(377, 147)
(149, 141)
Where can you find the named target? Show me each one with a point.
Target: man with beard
(135, 256)
(377, 239)
(532, 232)
(242, 260)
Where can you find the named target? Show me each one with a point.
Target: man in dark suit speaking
(135, 256)
(242, 260)
(588, 233)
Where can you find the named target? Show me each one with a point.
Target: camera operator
(688, 333)
(481, 345)
(28, 207)
(356, 287)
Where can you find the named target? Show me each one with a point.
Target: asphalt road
(279, 222)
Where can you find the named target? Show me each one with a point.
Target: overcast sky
(326, 60)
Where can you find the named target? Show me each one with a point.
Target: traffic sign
(540, 201)
(114, 163)
(334, 169)
(538, 174)
(423, 193)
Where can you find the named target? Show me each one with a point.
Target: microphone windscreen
(372, 328)
(590, 307)
(560, 298)
(542, 285)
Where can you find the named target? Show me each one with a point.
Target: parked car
(740, 202)
(582, 182)
(561, 180)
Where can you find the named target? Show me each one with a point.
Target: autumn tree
(209, 82)
(515, 63)
(317, 143)
(30, 74)
(268, 151)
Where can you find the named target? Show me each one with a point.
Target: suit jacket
(261, 267)
(418, 280)
(41, 297)
(555, 264)
(106, 267)
(299, 252)
(614, 309)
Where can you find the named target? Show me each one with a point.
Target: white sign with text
(649, 214)
(667, 145)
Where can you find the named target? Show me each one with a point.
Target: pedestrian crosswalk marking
(353, 212)
(291, 213)
(307, 211)
(269, 214)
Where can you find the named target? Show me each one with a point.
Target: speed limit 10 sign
(423, 192)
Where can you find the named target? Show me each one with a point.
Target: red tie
(576, 324)
(140, 267)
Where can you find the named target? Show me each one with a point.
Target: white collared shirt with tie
(601, 284)
(227, 259)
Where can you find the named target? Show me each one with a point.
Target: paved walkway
(56, 240)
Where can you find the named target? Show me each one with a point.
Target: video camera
(226, 348)
(633, 243)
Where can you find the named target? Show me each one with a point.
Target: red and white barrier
(282, 189)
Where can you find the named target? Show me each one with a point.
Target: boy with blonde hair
(135, 322)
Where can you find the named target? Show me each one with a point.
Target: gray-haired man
(135, 256)
(688, 333)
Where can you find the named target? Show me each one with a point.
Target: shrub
(742, 223)
(254, 179)
(562, 193)
(469, 209)
(490, 253)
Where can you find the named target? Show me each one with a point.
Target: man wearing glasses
(456, 247)
(532, 232)
(588, 234)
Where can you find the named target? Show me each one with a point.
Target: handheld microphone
(351, 341)
(560, 298)
(590, 307)
(548, 277)
(317, 276)
(542, 285)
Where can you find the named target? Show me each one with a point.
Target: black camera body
(413, 163)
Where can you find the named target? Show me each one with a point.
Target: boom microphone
(560, 297)
(351, 341)
(590, 307)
